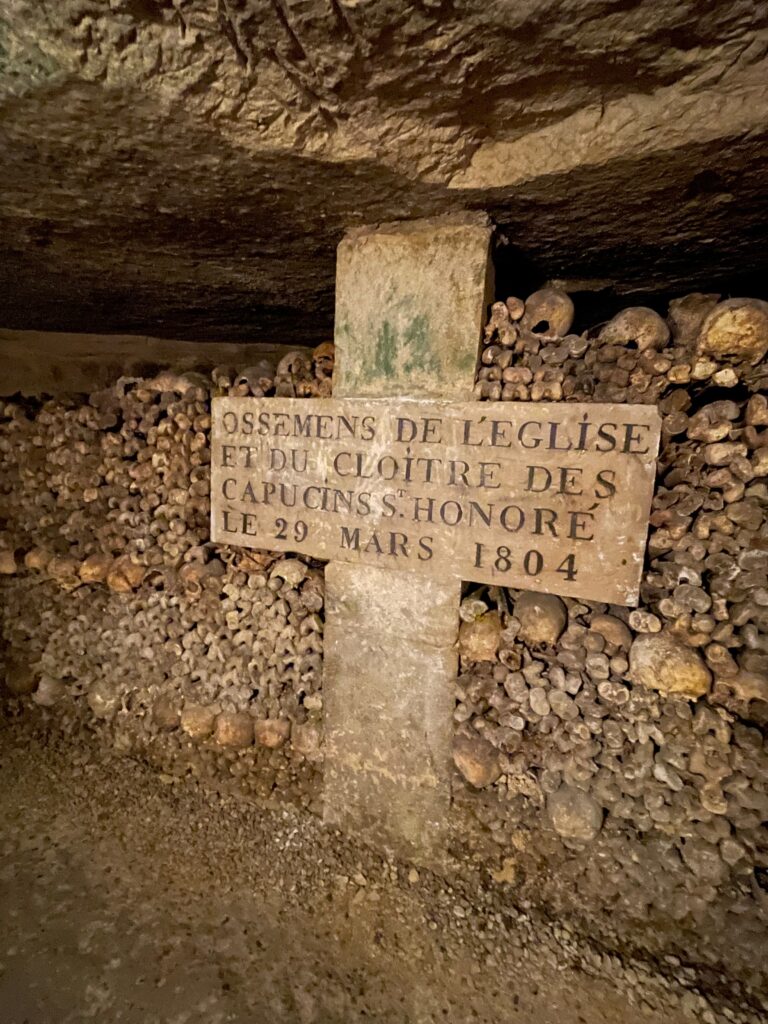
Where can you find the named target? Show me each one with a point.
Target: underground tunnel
(383, 512)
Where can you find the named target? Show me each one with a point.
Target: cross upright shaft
(410, 302)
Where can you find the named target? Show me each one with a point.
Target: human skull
(636, 325)
(548, 314)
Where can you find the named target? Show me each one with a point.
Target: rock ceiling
(187, 167)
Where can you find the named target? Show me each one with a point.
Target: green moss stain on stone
(468, 360)
(386, 350)
(406, 350)
(421, 355)
(382, 355)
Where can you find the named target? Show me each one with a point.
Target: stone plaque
(538, 496)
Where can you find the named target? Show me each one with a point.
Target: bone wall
(611, 763)
(119, 616)
(616, 756)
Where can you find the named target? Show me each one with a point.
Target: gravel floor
(131, 897)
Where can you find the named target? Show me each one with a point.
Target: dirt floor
(128, 896)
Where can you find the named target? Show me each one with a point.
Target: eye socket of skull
(253, 376)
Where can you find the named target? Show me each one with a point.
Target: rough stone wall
(218, 151)
(118, 614)
(622, 753)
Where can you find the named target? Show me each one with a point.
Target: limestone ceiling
(187, 168)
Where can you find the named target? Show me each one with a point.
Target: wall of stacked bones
(638, 735)
(116, 612)
(611, 762)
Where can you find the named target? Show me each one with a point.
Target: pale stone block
(410, 307)
(403, 607)
(388, 704)
(390, 690)
(407, 822)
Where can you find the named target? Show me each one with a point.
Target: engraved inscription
(549, 497)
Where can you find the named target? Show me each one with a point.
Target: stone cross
(410, 305)
(401, 468)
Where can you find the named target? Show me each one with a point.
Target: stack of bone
(638, 729)
(116, 607)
